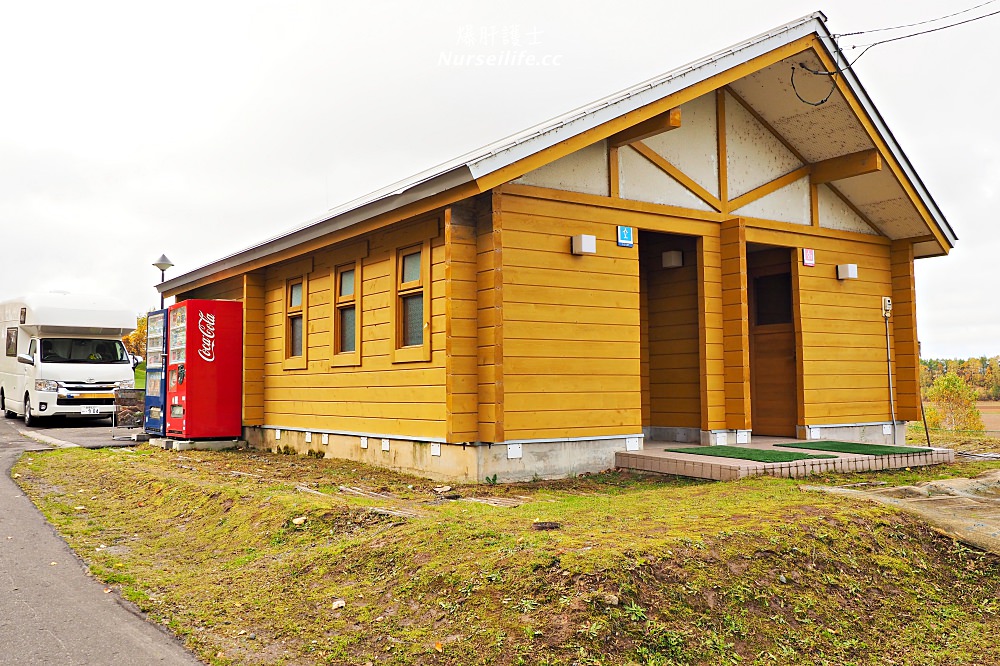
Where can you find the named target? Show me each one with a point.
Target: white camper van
(63, 355)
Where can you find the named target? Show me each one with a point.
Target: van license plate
(90, 410)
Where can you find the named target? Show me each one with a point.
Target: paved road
(88, 433)
(53, 613)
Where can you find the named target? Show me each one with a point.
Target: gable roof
(496, 161)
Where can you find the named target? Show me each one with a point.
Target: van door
(28, 372)
(14, 395)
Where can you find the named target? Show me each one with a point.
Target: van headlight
(125, 384)
(46, 385)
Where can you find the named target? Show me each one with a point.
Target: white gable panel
(835, 214)
(642, 181)
(754, 156)
(584, 171)
(694, 146)
(789, 204)
(895, 217)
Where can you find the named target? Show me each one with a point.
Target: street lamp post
(163, 264)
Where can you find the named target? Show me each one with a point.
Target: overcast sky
(196, 129)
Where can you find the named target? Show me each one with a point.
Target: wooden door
(772, 380)
(773, 395)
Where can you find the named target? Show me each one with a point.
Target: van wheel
(8, 413)
(30, 419)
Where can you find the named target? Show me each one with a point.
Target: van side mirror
(26, 359)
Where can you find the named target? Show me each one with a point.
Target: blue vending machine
(156, 375)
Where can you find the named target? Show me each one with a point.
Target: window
(295, 318)
(82, 350)
(412, 304)
(411, 300)
(773, 295)
(12, 341)
(296, 331)
(346, 314)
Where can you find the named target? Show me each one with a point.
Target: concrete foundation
(196, 444)
(697, 436)
(867, 433)
(464, 463)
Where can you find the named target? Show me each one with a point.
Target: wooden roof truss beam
(664, 122)
(845, 166)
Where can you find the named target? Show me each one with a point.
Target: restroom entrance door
(772, 341)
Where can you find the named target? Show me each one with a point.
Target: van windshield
(82, 350)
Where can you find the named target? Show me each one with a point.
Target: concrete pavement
(88, 433)
(51, 612)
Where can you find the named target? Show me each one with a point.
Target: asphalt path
(51, 611)
(88, 433)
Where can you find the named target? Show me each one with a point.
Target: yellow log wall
(842, 352)
(378, 396)
(645, 406)
(570, 323)
(230, 289)
(489, 303)
(253, 348)
(712, 362)
(462, 340)
(906, 352)
(735, 324)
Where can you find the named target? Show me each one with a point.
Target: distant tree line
(980, 373)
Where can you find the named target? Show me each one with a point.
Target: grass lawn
(746, 453)
(856, 447)
(258, 558)
(140, 375)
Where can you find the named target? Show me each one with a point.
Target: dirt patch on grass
(991, 415)
(227, 551)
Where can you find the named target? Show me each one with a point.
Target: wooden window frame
(289, 312)
(412, 353)
(338, 303)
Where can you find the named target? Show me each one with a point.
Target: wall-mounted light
(584, 244)
(673, 259)
(847, 271)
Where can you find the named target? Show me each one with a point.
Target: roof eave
(340, 218)
(633, 98)
(883, 129)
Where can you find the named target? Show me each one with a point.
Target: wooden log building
(702, 258)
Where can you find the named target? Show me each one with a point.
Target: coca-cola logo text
(206, 326)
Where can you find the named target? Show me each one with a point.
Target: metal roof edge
(383, 201)
(518, 146)
(826, 38)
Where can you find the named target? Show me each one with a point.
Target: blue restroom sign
(626, 236)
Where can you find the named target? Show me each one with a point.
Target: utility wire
(912, 25)
(840, 51)
(924, 32)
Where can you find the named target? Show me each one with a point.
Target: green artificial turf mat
(757, 455)
(856, 447)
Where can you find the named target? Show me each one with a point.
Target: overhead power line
(866, 47)
(924, 32)
(912, 25)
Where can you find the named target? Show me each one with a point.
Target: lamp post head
(163, 263)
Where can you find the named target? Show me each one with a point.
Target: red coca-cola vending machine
(205, 369)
